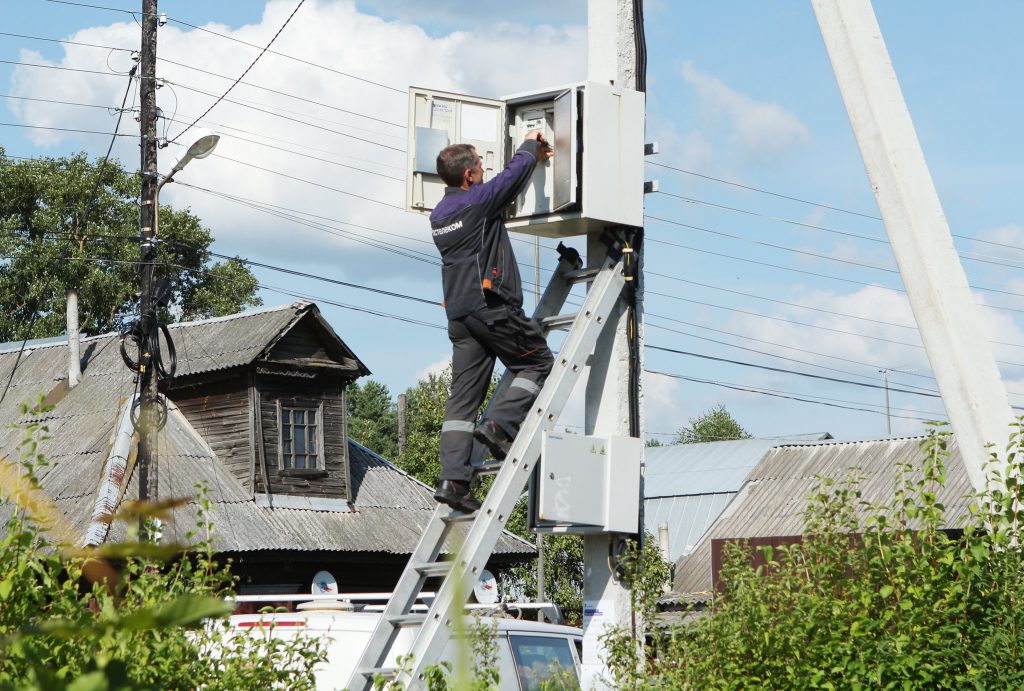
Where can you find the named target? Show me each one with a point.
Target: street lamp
(201, 148)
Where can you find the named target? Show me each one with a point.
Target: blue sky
(738, 91)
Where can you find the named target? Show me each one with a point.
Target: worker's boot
(457, 495)
(494, 438)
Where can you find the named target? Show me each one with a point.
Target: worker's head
(459, 166)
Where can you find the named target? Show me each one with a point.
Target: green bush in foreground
(874, 597)
(70, 620)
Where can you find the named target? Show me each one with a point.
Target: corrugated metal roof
(708, 468)
(687, 518)
(774, 498)
(391, 508)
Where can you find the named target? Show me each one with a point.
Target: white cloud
(760, 128)
(491, 61)
(434, 368)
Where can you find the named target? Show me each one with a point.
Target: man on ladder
(483, 300)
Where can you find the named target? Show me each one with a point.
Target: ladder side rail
(405, 595)
(515, 473)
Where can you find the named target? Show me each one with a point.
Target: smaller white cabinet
(587, 484)
(595, 178)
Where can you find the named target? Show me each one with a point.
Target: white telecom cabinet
(587, 485)
(595, 178)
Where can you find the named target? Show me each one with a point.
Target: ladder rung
(456, 517)
(408, 619)
(559, 321)
(434, 568)
(487, 468)
(582, 275)
(371, 672)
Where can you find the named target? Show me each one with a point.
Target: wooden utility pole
(147, 249)
(615, 56)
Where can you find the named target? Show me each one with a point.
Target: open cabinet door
(566, 145)
(438, 119)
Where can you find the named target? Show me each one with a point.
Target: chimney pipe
(74, 345)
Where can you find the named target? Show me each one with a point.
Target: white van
(529, 652)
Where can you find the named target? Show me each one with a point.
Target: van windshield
(540, 659)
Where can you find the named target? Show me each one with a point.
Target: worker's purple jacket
(470, 233)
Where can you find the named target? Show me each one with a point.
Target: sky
(763, 246)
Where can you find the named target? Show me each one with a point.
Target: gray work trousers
(506, 333)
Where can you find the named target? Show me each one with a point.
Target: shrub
(875, 596)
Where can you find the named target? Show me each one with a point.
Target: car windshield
(540, 659)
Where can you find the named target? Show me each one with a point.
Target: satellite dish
(486, 589)
(324, 583)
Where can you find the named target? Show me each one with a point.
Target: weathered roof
(688, 485)
(709, 467)
(388, 508)
(772, 501)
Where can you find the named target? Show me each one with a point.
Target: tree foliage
(55, 234)
(154, 616)
(875, 596)
(372, 418)
(716, 424)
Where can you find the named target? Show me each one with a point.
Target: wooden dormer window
(300, 437)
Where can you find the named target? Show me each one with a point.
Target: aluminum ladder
(484, 527)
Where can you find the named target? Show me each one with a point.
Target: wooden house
(257, 417)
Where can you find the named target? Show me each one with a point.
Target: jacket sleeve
(498, 192)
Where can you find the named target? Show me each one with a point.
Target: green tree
(716, 424)
(56, 234)
(372, 418)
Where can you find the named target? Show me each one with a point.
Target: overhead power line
(820, 205)
(290, 118)
(201, 70)
(798, 373)
(784, 395)
(251, 65)
(290, 57)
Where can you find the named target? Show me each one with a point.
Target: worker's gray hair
(453, 161)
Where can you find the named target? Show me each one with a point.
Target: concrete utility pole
(612, 58)
(147, 250)
(946, 314)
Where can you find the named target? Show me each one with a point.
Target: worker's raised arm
(498, 192)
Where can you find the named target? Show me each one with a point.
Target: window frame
(321, 461)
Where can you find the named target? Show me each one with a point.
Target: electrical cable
(210, 73)
(354, 308)
(814, 273)
(61, 129)
(809, 375)
(292, 119)
(308, 182)
(286, 94)
(761, 191)
(811, 203)
(251, 65)
(222, 129)
(995, 261)
(788, 396)
(291, 57)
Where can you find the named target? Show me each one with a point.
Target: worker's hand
(544, 151)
